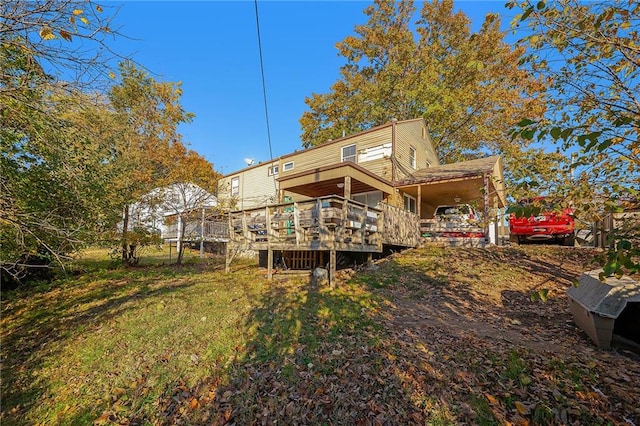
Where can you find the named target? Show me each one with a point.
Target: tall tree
(467, 86)
(51, 165)
(53, 176)
(590, 51)
(151, 112)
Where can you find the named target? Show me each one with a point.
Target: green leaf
(526, 14)
(525, 122)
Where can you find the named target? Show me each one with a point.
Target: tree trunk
(180, 245)
(125, 226)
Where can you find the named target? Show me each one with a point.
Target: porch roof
(462, 179)
(329, 180)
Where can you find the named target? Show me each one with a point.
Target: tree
(590, 52)
(53, 174)
(150, 112)
(51, 165)
(467, 86)
(188, 190)
(67, 39)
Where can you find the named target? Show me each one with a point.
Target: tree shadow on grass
(33, 322)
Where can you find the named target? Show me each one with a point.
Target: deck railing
(324, 223)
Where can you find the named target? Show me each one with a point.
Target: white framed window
(412, 157)
(371, 199)
(410, 203)
(235, 186)
(272, 171)
(287, 166)
(349, 153)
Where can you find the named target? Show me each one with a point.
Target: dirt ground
(477, 303)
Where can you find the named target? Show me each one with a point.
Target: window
(349, 153)
(272, 171)
(235, 186)
(371, 199)
(410, 204)
(287, 166)
(412, 157)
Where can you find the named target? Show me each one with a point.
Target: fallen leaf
(522, 409)
(193, 404)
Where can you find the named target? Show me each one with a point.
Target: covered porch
(479, 183)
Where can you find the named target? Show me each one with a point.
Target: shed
(601, 309)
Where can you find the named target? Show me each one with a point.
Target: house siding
(256, 188)
(330, 153)
(410, 134)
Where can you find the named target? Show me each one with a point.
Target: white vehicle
(462, 214)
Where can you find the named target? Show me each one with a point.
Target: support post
(332, 269)
(486, 207)
(202, 235)
(419, 206)
(347, 187)
(227, 260)
(269, 264)
(369, 259)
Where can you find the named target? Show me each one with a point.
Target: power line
(264, 92)
(264, 89)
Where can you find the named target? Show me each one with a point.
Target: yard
(429, 336)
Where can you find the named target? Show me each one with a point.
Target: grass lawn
(430, 336)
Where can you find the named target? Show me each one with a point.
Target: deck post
(347, 187)
(369, 259)
(332, 268)
(202, 235)
(485, 200)
(269, 264)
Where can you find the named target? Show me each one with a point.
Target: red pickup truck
(540, 219)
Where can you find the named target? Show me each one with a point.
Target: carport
(477, 182)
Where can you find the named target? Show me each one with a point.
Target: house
(361, 193)
(361, 167)
(163, 211)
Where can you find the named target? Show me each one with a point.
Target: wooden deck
(328, 224)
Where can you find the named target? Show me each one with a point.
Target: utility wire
(264, 89)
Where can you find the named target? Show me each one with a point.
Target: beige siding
(256, 188)
(412, 134)
(331, 153)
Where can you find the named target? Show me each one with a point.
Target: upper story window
(412, 157)
(235, 186)
(273, 170)
(349, 153)
(287, 166)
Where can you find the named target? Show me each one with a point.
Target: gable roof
(459, 170)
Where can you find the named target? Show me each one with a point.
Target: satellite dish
(249, 161)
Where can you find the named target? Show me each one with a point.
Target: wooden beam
(332, 269)
(269, 264)
(347, 187)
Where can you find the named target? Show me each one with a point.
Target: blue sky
(212, 48)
